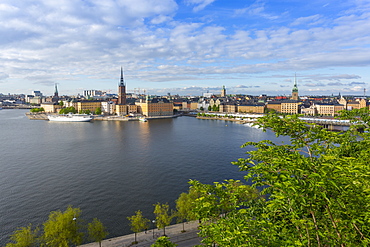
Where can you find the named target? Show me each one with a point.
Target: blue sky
(185, 47)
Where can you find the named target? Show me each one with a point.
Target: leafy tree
(163, 216)
(201, 108)
(209, 108)
(98, 111)
(317, 188)
(24, 237)
(61, 103)
(97, 231)
(62, 229)
(41, 109)
(138, 223)
(163, 242)
(67, 110)
(85, 111)
(184, 208)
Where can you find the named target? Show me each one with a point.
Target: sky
(185, 47)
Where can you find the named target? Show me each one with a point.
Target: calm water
(109, 169)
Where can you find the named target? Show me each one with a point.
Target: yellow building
(121, 110)
(155, 107)
(51, 107)
(90, 105)
(328, 109)
(251, 108)
(274, 105)
(290, 107)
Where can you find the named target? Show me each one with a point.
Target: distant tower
(223, 91)
(55, 98)
(122, 91)
(295, 89)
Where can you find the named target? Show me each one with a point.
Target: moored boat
(70, 118)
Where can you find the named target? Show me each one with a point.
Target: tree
(97, 231)
(67, 110)
(98, 111)
(317, 189)
(201, 108)
(209, 108)
(163, 242)
(184, 208)
(138, 223)
(61, 103)
(24, 237)
(162, 216)
(62, 229)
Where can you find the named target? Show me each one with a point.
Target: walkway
(183, 239)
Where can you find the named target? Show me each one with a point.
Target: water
(109, 169)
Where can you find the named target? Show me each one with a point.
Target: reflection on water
(109, 169)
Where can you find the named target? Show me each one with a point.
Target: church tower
(121, 91)
(223, 91)
(55, 98)
(295, 89)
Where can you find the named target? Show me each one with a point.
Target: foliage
(97, 231)
(62, 229)
(24, 237)
(41, 109)
(61, 103)
(98, 111)
(317, 189)
(163, 242)
(209, 108)
(162, 216)
(67, 110)
(201, 108)
(85, 111)
(184, 207)
(138, 222)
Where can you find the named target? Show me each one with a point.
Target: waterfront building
(108, 107)
(328, 109)
(155, 107)
(274, 105)
(228, 107)
(90, 105)
(251, 108)
(51, 107)
(290, 106)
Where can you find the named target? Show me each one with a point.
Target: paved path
(183, 239)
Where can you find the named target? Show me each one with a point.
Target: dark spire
(122, 82)
(56, 90)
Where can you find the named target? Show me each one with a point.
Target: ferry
(70, 118)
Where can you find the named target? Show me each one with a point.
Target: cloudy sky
(185, 47)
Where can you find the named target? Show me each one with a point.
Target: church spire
(295, 89)
(122, 81)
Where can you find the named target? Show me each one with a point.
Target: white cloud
(200, 4)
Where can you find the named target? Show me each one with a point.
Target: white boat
(252, 125)
(143, 119)
(70, 118)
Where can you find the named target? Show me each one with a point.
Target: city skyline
(185, 47)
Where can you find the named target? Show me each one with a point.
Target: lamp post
(153, 221)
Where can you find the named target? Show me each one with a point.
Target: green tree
(184, 209)
(97, 231)
(41, 109)
(67, 110)
(61, 103)
(209, 108)
(62, 229)
(163, 242)
(201, 108)
(98, 111)
(24, 237)
(138, 223)
(162, 216)
(317, 188)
